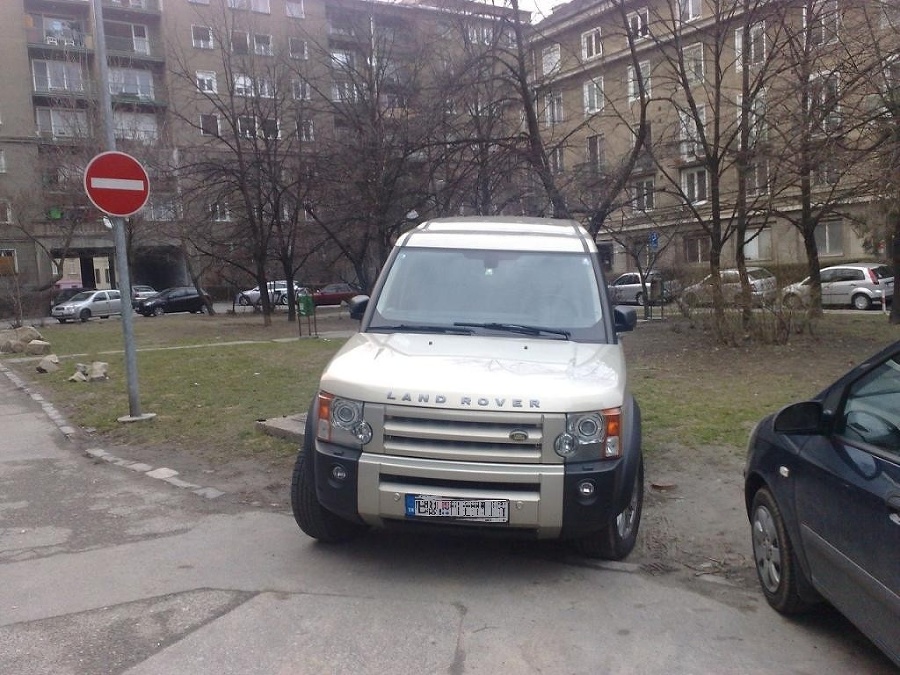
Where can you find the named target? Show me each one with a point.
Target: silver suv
(859, 285)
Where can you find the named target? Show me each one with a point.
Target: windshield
(81, 297)
(538, 294)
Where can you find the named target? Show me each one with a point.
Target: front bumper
(545, 501)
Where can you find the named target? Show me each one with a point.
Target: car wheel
(283, 299)
(617, 539)
(158, 311)
(639, 299)
(861, 302)
(315, 520)
(62, 320)
(244, 300)
(776, 564)
(85, 315)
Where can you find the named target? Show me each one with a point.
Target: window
(131, 82)
(299, 48)
(591, 47)
(237, 4)
(161, 209)
(693, 64)
(57, 76)
(642, 194)
(264, 87)
(261, 6)
(820, 19)
(342, 58)
(270, 129)
(206, 81)
(5, 213)
(593, 96)
(2, 161)
(305, 130)
(8, 262)
(243, 85)
(639, 24)
(824, 102)
(758, 244)
(219, 212)
(62, 123)
(758, 178)
(343, 91)
(240, 42)
(756, 118)
(246, 126)
(826, 172)
(595, 153)
(550, 59)
(199, 2)
(209, 125)
(636, 78)
(140, 127)
(689, 9)
(693, 184)
(480, 34)
(696, 248)
(869, 414)
(755, 52)
(555, 159)
(690, 132)
(829, 237)
(294, 9)
(262, 45)
(554, 107)
(202, 37)
(126, 37)
(301, 90)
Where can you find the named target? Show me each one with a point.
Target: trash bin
(305, 306)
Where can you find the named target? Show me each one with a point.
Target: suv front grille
(466, 435)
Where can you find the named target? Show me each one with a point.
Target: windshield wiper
(422, 328)
(516, 328)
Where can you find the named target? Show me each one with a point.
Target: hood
(486, 373)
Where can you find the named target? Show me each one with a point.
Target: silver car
(86, 304)
(763, 288)
(627, 289)
(859, 285)
(278, 294)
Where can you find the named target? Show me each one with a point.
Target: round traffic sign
(116, 183)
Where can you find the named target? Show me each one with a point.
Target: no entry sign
(116, 183)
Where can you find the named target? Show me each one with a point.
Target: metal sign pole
(118, 223)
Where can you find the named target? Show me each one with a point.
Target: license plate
(469, 510)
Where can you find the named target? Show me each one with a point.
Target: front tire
(315, 520)
(85, 315)
(617, 539)
(861, 302)
(158, 311)
(779, 574)
(639, 299)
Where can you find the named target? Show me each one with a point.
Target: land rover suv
(484, 392)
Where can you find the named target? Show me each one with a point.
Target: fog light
(586, 488)
(565, 445)
(338, 472)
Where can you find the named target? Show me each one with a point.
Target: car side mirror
(625, 318)
(806, 417)
(358, 304)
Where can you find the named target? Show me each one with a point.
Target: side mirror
(358, 304)
(807, 417)
(625, 318)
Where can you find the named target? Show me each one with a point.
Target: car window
(759, 274)
(115, 295)
(730, 277)
(828, 275)
(99, 297)
(872, 410)
(855, 275)
(882, 272)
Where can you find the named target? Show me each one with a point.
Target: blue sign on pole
(653, 241)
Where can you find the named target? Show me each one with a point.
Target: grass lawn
(230, 371)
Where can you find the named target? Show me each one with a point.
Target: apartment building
(188, 79)
(755, 122)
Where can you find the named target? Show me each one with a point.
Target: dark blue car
(822, 490)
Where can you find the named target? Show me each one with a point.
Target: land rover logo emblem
(518, 435)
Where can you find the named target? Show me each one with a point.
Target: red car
(334, 294)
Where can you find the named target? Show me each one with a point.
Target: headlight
(340, 421)
(591, 435)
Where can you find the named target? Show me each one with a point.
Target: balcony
(59, 39)
(143, 6)
(132, 48)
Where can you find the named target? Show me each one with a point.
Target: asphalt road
(112, 568)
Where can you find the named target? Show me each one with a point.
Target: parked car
(140, 292)
(82, 306)
(859, 285)
(822, 492)
(763, 288)
(627, 288)
(335, 294)
(278, 294)
(178, 299)
(65, 293)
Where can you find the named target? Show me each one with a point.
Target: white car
(278, 294)
(859, 285)
(87, 304)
